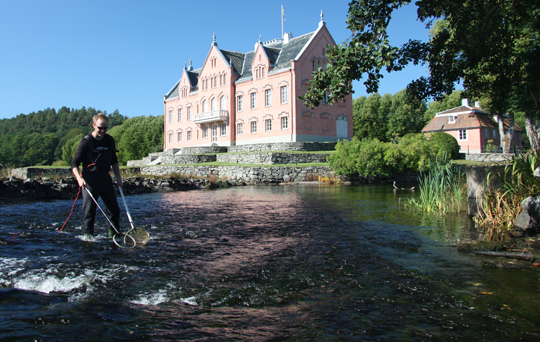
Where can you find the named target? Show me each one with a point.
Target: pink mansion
(252, 98)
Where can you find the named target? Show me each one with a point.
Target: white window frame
(452, 119)
(462, 134)
(253, 127)
(214, 132)
(223, 129)
(179, 136)
(284, 122)
(284, 94)
(253, 100)
(239, 100)
(239, 129)
(222, 103)
(170, 116)
(189, 113)
(268, 97)
(170, 138)
(189, 135)
(205, 106)
(268, 125)
(179, 114)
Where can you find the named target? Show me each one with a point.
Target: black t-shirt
(96, 156)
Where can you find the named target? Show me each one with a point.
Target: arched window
(205, 106)
(214, 104)
(223, 105)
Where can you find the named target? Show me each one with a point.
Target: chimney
(286, 37)
(465, 102)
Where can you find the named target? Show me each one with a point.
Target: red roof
(466, 117)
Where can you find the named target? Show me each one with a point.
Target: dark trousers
(99, 186)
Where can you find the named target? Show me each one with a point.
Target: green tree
(70, 147)
(387, 117)
(137, 137)
(492, 46)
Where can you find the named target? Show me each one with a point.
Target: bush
(446, 144)
(374, 158)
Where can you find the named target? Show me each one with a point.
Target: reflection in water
(258, 263)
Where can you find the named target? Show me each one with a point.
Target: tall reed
(501, 205)
(442, 188)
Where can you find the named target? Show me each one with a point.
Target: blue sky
(126, 54)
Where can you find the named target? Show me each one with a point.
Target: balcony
(213, 116)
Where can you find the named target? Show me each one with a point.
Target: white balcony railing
(213, 116)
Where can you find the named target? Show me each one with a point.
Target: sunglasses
(102, 128)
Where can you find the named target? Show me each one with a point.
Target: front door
(214, 132)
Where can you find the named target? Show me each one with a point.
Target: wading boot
(112, 233)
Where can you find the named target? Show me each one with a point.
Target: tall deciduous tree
(387, 117)
(492, 46)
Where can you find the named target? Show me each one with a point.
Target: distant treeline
(50, 137)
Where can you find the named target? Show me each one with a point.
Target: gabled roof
(466, 117)
(173, 92)
(291, 50)
(236, 60)
(280, 55)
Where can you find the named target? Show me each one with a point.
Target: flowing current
(258, 263)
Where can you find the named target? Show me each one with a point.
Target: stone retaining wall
(263, 158)
(489, 157)
(203, 149)
(36, 172)
(272, 158)
(285, 146)
(248, 175)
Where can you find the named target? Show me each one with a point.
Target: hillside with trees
(46, 137)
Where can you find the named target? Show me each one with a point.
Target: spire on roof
(190, 65)
(321, 23)
(214, 43)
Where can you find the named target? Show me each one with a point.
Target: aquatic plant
(501, 205)
(442, 187)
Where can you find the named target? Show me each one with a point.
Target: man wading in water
(97, 153)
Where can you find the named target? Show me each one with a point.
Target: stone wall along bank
(489, 157)
(248, 175)
(238, 174)
(242, 154)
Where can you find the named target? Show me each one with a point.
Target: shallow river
(258, 263)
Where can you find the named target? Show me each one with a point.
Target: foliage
(442, 187)
(70, 147)
(501, 205)
(138, 137)
(447, 144)
(387, 117)
(492, 46)
(445, 102)
(374, 158)
(39, 137)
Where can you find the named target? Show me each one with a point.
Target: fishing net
(139, 235)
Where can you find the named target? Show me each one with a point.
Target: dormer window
(259, 72)
(452, 118)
